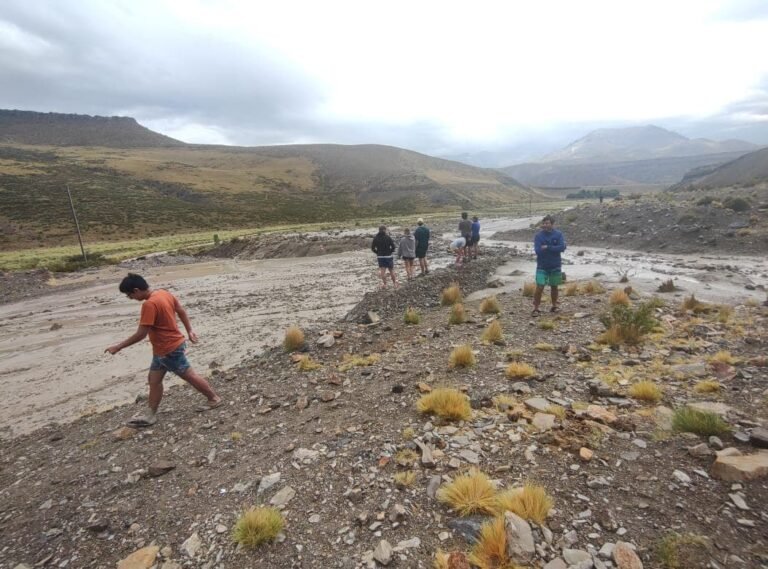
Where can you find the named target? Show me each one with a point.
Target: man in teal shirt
(422, 244)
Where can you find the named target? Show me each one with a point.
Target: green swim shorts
(551, 277)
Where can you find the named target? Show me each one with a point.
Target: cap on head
(420, 221)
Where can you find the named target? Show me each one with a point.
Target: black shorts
(467, 240)
(475, 240)
(408, 258)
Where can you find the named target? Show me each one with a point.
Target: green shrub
(690, 420)
(736, 204)
(627, 325)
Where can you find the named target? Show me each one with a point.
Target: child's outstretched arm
(137, 336)
(184, 317)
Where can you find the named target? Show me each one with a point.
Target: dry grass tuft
(441, 560)
(515, 355)
(516, 370)
(446, 403)
(556, 410)
(462, 356)
(405, 479)
(571, 289)
(723, 357)
(544, 347)
(235, 436)
(707, 386)
(546, 325)
(490, 305)
(724, 313)
(349, 361)
(692, 303)
(411, 316)
(503, 402)
(451, 295)
(530, 502)
(256, 526)
(618, 296)
(458, 314)
(471, 493)
(294, 339)
(689, 420)
(493, 333)
(667, 286)
(306, 363)
(529, 289)
(676, 549)
(490, 551)
(408, 433)
(645, 391)
(592, 287)
(406, 457)
(627, 325)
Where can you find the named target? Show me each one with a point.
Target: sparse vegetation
(502, 402)
(490, 305)
(405, 479)
(349, 361)
(667, 286)
(707, 386)
(645, 391)
(411, 316)
(625, 325)
(446, 403)
(406, 457)
(471, 493)
(676, 549)
(592, 287)
(546, 325)
(294, 339)
(451, 295)
(490, 551)
(530, 502)
(736, 204)
(462, 356)
(458, 314)
(557, 410)
(493, 333)
(529, 289)
(306, 363)
(408, 433)
(516, 370)
(571, 289)
(689, 420)
(544, 347)
(619, 297)
(723, 357)
(724, 313)
(256, 526)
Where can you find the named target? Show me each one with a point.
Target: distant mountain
(57, 129)
(173, 187)
(750, 169)
(641, 143)
(627, 156)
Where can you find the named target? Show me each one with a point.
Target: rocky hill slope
(747, 171)
(330, 448)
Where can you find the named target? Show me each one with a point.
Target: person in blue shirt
(475, 236)
(548, 244)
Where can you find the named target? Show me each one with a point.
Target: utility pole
(77, 225)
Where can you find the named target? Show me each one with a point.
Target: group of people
(410, 248)
(466, 245)
(160, 308)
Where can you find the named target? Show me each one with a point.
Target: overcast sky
(440, 77)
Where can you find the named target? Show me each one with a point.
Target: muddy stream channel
(52, 362)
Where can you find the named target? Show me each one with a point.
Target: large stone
(383, 552)
(125, 433)
(468, 528)
(710, 407)
(161, 467)
(575, 556)
(520, 545)
(625, 557)
(600, 414)
(538, 403)
(741, 468)
(759, 437)
(556, 563)
(192, 545)
(427, 460)
(543, 422)
(284, 496)
(268, 481)
(144, 558)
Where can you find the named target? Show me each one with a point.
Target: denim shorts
(175, 361)
(386, 262)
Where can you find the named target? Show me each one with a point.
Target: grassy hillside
(747, 171)
(121, 193)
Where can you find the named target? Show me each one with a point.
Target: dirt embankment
(276, 246)
(661, 226)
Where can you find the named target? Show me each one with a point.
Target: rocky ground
(664, 222)
(323, 447)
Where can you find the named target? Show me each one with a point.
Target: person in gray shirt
(406, 251)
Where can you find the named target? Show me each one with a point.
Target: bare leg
(383, 275)
(553, 294)
(155, 390)
(201, 384)
(537, 296)
(394, 278)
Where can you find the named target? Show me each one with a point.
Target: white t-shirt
(458, 243)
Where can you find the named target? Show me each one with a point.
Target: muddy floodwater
(52, 362)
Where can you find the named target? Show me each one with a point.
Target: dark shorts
(475, 240)
(386, 262)
(175, 361)
(467, 239)
(408, 258)
(551, 277)
(421, 253)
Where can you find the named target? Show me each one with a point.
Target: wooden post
(77, 225)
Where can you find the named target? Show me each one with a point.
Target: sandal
(536, 312)
(210, 405)
(555, 308)
(141, 422)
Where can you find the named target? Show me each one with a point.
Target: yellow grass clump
(530, 502)
(502, 402)
(294, 339)
(256, 526)
(411, 316)
(235, 436)
(451, 295)
(546, 325)
(723, 357)
(490, 551)
(618, 296)
(405, 479)
(406, 457)
(306, 363)
(707, 386)
(529, 289)
(592, 287)
(724, 313)
(493, 333)
(458, 314)
(645, 391)
(571, 289)
(490, 305)
(446, 403)
(470, 493)
(462, 356)
(408, 433)
(516, 370)
(544, 347)
(556, 410)
(349, 361)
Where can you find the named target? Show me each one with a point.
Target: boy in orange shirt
(158, 320)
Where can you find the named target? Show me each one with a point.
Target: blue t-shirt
(548, 258)
(475, 229)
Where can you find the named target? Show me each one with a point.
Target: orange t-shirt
(159, 313)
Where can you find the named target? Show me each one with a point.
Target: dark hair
(463, 215)
(548, 218)
(382, 228)
(474, 218)
(132, 282)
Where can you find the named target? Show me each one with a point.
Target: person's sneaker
(536, 312)
(555, 308)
